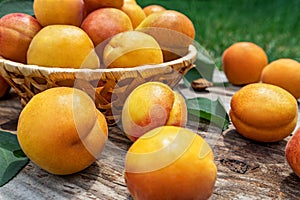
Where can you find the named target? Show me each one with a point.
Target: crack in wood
(238, 166)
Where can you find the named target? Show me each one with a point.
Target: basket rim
(190, 56)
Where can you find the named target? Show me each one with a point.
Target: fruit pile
(95, 34)
(61, 130)
(153, 117)
(245, 63)
(265, 109)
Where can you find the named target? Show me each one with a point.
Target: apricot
(243, 63)
(151, 105)
(153, 8)
(284, 73)
(91, 5)
(66, 12)
(131, 49)
(64, 46)
(130, 1)
(104, 23)
(263, 112)
(292, 152)
(135, 13)
(173, 30)
(61, 131)
(16, 33)
(170, 163)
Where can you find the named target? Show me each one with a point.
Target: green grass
(272, 24)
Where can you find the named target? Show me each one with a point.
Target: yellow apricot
(151, 105)
(62, 46)
(61, 130)
(132, 49)
(263, 112)
(67, 12)
(284, 73)
(166, 162)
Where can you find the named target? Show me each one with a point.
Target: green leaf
(205, 63)
(204, 67)
(13, 6)
(212, 111)
(12, 158)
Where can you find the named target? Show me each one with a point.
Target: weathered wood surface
(246, 169)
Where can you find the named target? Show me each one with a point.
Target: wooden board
(246, 169)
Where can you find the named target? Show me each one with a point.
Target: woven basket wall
(108, 87)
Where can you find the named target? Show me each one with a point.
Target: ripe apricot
(263, 112)
(292, 152)
(66, 12)
(61, 130)
(170, 163)
(173, 30)
(16, 33)
(151, 105)
(131, 49)
(284, 73)
(54, 46)
(135, 13)
(130, 1)
(92, 5)
(104, 23)
(243, 63)
(153, 8)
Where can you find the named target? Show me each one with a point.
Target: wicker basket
(109, 87)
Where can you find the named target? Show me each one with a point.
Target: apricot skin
(104, 23)
(243, 63)
(284, 73)
(292, 152)
(64, 135)
(263, 112)
(173, 31)
(135, 13)
(152, 9)
(92, 5)
(61, 49)
(189, 174)
(52, 12)
(132, 49)
(16, 33)
(151, 105)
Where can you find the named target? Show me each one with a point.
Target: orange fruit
(65, 12)
(284, 73)
(153, 8)
(130, 1)
(243, 63)
(292, 152)
(151, 105)
(104, 23)
(61, 130)
(135, 13)
(131, 49)
(54, 46)
(173, 30)
(263, 112)
(16, 33)
(91, 5)
(170, 163)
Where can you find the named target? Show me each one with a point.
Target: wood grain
(246, 169)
